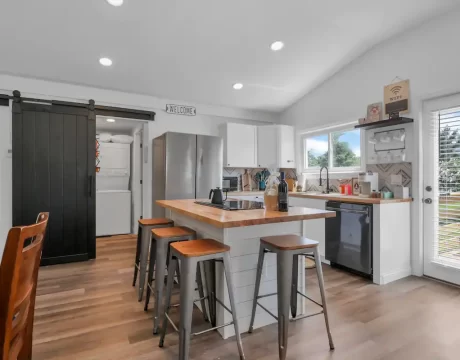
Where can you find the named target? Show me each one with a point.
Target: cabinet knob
(290, 161)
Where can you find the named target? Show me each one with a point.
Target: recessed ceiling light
(115, 2)
(277, 46)
(110, 120)
(238, 86)
(105, 61)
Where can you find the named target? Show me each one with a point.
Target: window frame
(328, 131)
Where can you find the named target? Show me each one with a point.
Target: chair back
(18, 279)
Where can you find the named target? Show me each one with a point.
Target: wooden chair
(18, 284)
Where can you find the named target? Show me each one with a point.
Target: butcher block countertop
(348, 198)
(229, 219)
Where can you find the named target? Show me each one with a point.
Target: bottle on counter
(282, 194)
(271, 192)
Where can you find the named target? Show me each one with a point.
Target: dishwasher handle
(364, 212)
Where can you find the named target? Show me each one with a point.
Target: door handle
(428, 201)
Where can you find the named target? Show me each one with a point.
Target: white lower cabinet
(313, 229)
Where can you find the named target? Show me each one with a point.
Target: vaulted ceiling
(196, 50)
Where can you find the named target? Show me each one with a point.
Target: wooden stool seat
(289, 242)
(155, 222)
(201, 247)
(172, 232)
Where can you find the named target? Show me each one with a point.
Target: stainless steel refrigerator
(185, 166)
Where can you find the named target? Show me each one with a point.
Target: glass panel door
(441, 135)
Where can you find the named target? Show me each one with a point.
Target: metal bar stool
(288, 248)
(159, 251)
(191, 254)
(142, 248)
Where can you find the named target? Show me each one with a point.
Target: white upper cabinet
(276, 146)
(240, 146)
(286, 146)
(267, 147)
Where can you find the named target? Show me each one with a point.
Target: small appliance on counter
(217, 196)
(230, 183)
(368, 182)
(401, 192)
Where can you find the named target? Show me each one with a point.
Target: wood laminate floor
(89, 311)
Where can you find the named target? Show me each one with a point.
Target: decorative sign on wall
(181, 110)
(396, 97)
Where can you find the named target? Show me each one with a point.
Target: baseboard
(64, 259)
(390, 277)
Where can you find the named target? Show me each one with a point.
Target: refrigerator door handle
(200, 156)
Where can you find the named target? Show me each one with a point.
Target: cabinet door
(241, 146)
(286, 145)
(267, 147)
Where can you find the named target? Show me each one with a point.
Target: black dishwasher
(349, 237)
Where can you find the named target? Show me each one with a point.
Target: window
(336, 149)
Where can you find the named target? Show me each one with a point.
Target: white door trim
(431, 267)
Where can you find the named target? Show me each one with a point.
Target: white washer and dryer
(113, 197)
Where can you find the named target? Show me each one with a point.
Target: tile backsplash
(386, 170)
(311, 181)
(238, 172)
(290, 174)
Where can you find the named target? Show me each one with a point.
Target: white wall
(207, 122)
(69, 92)
(6, 216)
(427, 55)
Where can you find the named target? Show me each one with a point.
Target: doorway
(119, 177)
(441, 161)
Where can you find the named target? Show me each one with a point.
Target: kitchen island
(241, 230)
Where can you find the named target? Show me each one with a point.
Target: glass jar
(271, 192)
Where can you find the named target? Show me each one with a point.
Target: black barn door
(54, 170)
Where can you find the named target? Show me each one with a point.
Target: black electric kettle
(217, 196)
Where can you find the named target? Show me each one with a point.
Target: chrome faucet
(327, 179)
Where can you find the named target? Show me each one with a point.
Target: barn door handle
(90, 186)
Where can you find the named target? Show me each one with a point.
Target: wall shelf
(385, 123)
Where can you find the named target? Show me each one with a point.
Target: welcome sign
(396, 97)
(181, 110)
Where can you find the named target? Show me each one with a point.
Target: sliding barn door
(54, 171)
